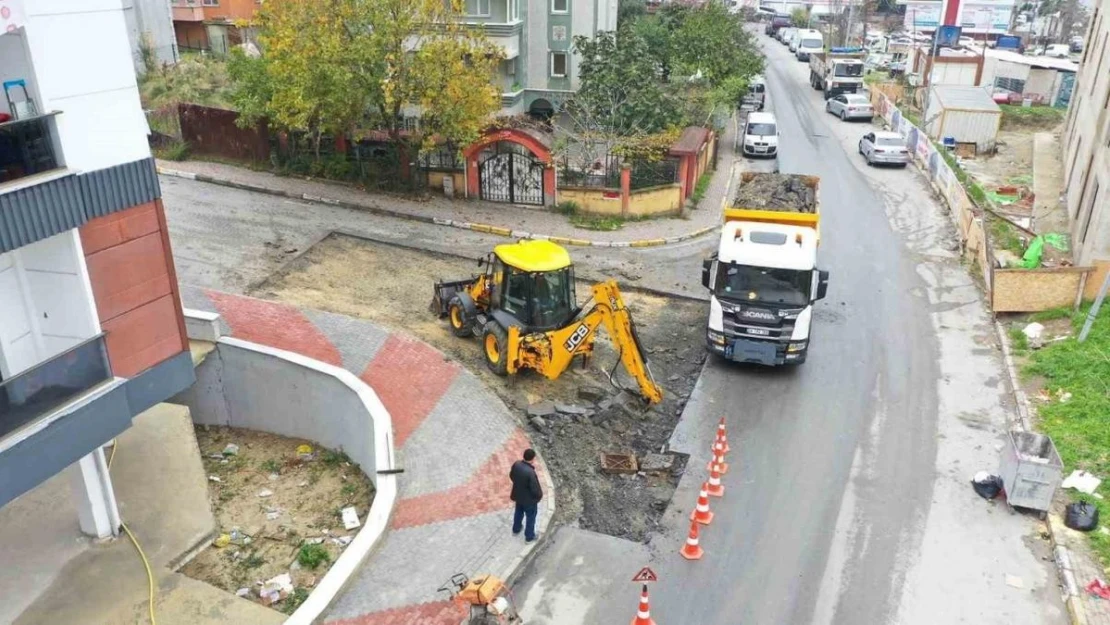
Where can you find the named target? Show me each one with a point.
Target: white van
(808, 41)
(761, 135)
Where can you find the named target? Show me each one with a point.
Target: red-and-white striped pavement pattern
(454, 437)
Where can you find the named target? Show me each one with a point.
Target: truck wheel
(495, 346)
(460, 322)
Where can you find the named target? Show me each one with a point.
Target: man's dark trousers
(525, 514)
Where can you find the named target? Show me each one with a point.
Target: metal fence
(376, 165)
(604, 173)
(646, 174)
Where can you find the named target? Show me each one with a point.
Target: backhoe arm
(618, 322)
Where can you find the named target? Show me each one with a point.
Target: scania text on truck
(840, 70)
(764, 280)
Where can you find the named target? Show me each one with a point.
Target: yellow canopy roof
(534, 255)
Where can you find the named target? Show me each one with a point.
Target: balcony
(41, 390)
(187, 13)
(27, 150)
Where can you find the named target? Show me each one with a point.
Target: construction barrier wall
(1008, 290)
(593, 201)
(661, 200)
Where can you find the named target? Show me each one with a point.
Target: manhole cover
(618, 463)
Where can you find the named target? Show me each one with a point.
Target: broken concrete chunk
(657, 463)
(541, 409)
(276, 588)
(350, 518)
(591, 393)
(243, 592)
(231, 450)
(265, 492)
(538, 423)
(571, 409)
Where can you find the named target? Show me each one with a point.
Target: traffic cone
(692, 550)
(701, 514)
(716, 489)
(722, 438)
(643, 615)
(718, 461)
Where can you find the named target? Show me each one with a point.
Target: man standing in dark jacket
(526, 494)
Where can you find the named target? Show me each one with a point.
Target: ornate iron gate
(508, 172)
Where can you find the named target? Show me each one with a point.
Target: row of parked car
(801, 41)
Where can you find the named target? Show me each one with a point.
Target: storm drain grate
(618, 463)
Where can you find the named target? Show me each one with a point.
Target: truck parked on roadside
(809, 42)
(840, 70)
(764, 280)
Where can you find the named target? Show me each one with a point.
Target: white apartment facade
(91, 329)
(1087, 148)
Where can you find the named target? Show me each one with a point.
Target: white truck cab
(763, 282)
(809, 41)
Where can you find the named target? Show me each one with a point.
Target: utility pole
(848, 26)
(1093, 312)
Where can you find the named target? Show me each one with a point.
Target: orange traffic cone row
(716, 489)
(701, 514)
(721, 437)
(692, 550)
(643, 615)
(719, 462)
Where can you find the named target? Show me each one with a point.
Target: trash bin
(1031, 470)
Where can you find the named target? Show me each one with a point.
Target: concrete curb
(462, 225)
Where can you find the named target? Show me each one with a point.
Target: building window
(559, 64)
(477, 8)
(211, 3)
(514, 10)
(1013, 85)
(560, 6)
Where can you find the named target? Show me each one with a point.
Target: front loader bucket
(444, 291)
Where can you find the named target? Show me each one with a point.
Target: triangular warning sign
(645, 575)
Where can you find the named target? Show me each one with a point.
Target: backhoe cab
(524, 309)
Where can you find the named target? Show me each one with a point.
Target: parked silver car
(850, 106)
(884, 148)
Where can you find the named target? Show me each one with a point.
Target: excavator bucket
(444, 291)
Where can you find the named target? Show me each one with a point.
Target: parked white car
(850, 106)
(761, 135)
(884, 148)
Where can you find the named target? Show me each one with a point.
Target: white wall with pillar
(94, 496)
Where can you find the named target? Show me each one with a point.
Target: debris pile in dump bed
(787, 192)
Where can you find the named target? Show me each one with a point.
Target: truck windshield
(812, 44)
(850, 70)
(761, 130)
(764, 284)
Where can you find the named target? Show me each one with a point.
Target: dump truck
(764, 279)
(840, 70)
(524, 309)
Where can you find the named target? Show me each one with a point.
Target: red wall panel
(133, 280)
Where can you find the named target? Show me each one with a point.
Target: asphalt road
(847, 499)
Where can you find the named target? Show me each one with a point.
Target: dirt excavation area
(572, 420)
(279, 505)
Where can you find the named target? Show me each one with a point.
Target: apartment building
(150, 25)
(211, 25)
(1087, 148)
(91, 327)
(540, 70)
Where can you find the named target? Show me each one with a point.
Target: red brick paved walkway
(456, 441)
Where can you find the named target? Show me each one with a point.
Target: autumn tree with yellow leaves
(339, 67)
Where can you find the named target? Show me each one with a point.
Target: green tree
(659, 33)
(713, 43)
(799, 17)
(629, 11)
(333, 66)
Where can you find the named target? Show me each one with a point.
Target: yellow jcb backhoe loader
(524, 309)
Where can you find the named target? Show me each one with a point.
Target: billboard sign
(948, 36)
(1008, 42)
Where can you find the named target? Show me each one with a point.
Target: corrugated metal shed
(965, 114)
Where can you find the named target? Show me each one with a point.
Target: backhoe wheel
(461, 324)
(495, 346)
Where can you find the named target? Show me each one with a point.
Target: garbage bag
(1057, 240)
(1081, 516)
(1032, 257)
(986, 485)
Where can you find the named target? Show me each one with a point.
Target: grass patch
(253, 561)
(334, 458)
(1005, 236)
(1052, 314)
(567, 207)
(312, 556)
(294, 600)
(1080, 427)
(974, 190)
(1043, 117)
(1019, 343)
(271, 466)
(701, 188)
(175, 151)
(603, 223)
(913, 116)
(876, 77)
